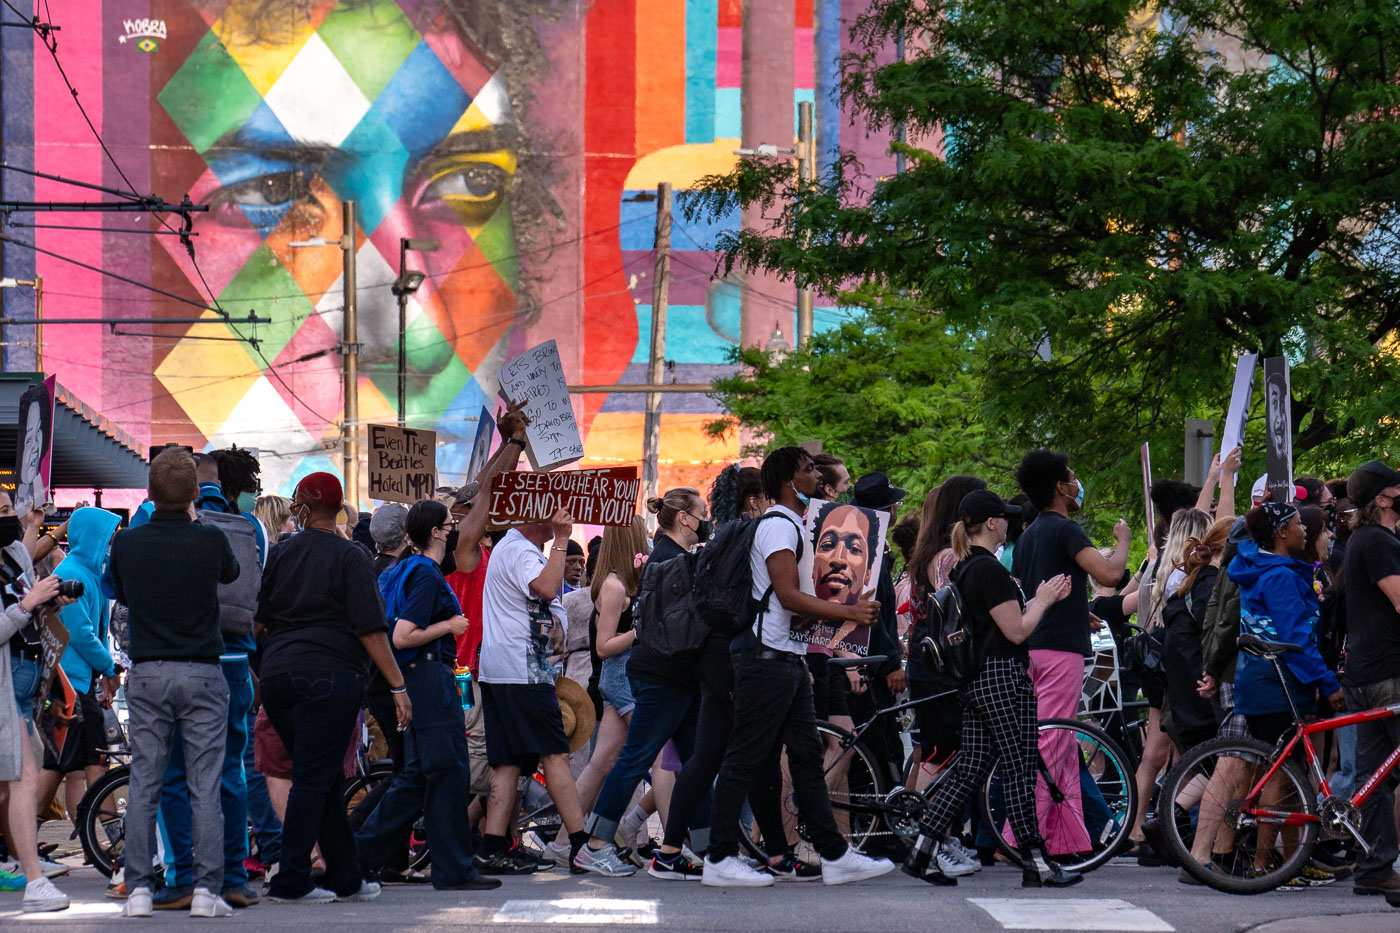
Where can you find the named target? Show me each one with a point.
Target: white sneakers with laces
(729, 872)
(853, 867)
(41, 895)
(955, 861)
(208, 904)
(138, 903)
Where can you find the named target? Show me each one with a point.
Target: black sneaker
(677, 868)
(504, 863)
(530, 855)
(792, 868)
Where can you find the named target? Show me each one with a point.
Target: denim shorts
(614, 685)
(25, 677)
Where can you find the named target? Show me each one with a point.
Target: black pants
(714, 726)
(435, 781)
(314, 714)
(773, 707)
(1374, 743)
(999, 723)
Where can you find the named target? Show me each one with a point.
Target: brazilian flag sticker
(148, 44)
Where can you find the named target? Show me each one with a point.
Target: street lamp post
(406, 284)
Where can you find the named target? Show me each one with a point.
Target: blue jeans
(267, 828)
(233, 791)
(1344, 782)
(24, 678)
(661, 713)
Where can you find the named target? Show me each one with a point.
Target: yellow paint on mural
(616, 437)
(683, 166)
(208, 377)
(262, 62)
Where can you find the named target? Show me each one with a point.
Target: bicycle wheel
(102, 819)
(1108, 797)
(1219, 833)
(362, 793)
(857, 790)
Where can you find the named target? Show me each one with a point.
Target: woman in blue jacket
(1277, 603)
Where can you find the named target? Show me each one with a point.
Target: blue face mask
(1079, 499)
(806, 500)
(247, 501)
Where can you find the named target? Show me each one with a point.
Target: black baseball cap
(874, 491)
(982, 504)
(1367, 480)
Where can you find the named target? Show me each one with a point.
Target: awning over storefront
(89, 452)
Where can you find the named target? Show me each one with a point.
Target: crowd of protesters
(256, 640)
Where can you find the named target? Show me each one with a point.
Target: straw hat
(577, 711)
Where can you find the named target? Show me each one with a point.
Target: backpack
(238, 601)
(724, 577)
(664, 613)
(953, 648)
(391, 586)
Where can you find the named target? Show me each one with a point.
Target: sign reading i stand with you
(537, 378)
(1278, 418)
(402, 463)
(593, 497)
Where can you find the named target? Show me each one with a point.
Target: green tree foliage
(1102, 206)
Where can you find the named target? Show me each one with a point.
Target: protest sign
(481, 445)
(402, 463)
(593, 497)
(1278, 412)
(1233, 434)
(1147, 488)
(842, 554)
(536, 377)
(35, 449)
(53, 639)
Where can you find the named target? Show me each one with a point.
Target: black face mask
(702, 530)
(10, 530)
(449, 560)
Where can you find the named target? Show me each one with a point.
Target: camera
(70, 589)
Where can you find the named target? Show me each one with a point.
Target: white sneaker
(558, 854)
(40, 895)
(208, 904)
(52, 869)
(314, 896)
(369, 890)
(138, 903)
(954, 862)
(854, 867)
(731, 873)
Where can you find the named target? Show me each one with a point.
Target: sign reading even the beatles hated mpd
(402, 463)
(536, 377)
(592, 497)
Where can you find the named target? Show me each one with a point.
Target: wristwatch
(516, 440)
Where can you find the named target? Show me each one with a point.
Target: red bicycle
(1248, 814)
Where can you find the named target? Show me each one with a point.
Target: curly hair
(731, 489)
(238, 471)
(1038, 475)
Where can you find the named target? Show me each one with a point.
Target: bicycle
(101, 817)
(1247, 816)
(882, 814)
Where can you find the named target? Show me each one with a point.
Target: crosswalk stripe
(1085, 913)
(587, 910)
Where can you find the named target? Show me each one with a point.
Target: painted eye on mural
(265, 194)
(470, 188)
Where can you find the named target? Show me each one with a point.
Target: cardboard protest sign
(593, 497)
(53, 637)
(1151, 512)
(537, 378)
(481, 445)
(1278, 411)
(842, 554)
(1233, 434)
(402, 463)
(34, 468)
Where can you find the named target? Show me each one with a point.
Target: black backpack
(724, 577)
(664, 614)
(953, 648)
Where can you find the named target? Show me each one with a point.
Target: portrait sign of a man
(846, 545)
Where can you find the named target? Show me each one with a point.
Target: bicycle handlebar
(870, 659)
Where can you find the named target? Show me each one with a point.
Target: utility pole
(660, 294)
(350, 353)
(806, 174)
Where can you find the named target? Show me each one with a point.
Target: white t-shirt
(516, 626)
(774, 535)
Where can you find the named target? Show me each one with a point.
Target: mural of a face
(33, 447)
(841, 561)
(296, 105)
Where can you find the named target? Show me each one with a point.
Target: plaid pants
(999, 724)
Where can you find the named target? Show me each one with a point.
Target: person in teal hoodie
(90, 533)
(1278, 603)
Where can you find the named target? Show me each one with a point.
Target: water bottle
(464, 686)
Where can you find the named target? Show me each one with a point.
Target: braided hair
(238, 471)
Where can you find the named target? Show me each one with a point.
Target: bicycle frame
(1303, 732)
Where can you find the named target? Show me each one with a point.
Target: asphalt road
(1117, 897)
